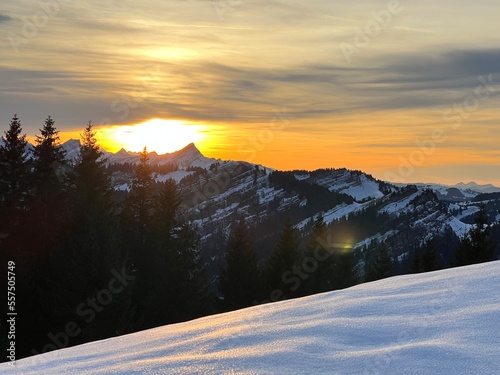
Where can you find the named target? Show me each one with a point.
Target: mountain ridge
(359, 209)
(196, 153)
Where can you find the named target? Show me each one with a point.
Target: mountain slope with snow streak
(444, 322)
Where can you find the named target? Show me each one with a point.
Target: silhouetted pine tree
(477, 246)
(89, 255)
(284, 257)
(319, 260)
(381, 266)
(176, 283)
(430, 258)
(49, 207)
(426, 260)
(92, 182)
(137, 229)
(138, 207)
(239, 280)
(49, 162)
(346, 274)
(416, 264)
(14, 177)
(14, 172)
(46, 220)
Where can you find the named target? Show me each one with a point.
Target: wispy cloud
(233, 72)
(4, 18)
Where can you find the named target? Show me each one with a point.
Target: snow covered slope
(444, 322)
(357, 184)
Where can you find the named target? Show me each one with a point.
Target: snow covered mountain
(72, 149)
(189, 156)
(460, 191)
(357, 184)
(488, 188)
(443, 322)
(404, 216)
(361, 209)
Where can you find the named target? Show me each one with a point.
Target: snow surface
(469, 211)
(301, 177)
(460, 228)
(401, 205)
(367, 189)
(444, 322)
(335, 213)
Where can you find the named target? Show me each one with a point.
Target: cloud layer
(232, 65)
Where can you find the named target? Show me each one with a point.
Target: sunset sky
(405, 90)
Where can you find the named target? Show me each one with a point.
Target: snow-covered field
(445, 322)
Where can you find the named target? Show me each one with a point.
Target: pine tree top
(14, 142)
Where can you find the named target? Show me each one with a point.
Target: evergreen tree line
(289, 272)
(476, 246)
(326, 265)
(90, 268)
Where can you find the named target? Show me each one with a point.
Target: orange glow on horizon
(376, 145)
(158, 135)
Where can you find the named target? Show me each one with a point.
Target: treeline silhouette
(89, 266)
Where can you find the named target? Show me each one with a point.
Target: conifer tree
(284, 257)
(14, 168)
(47, 219)
(346, 273)
(49, 160)
(239, 280)
(430, 258)
(477, 246)
(138, 210)
(416, 264)
(175, 280)
(14, 177)
(89, 255)
(319, 254)
(137, 229)
(91, 179)
(381, 266)
(167, 205)
(49, 206)
(188, 295)
(426, 260)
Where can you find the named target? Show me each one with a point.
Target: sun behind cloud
(162, 136)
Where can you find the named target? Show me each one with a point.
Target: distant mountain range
(190, 156)
(360, 209)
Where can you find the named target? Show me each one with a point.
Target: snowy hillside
(357, 184)
(215, 193)
(444, 322)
